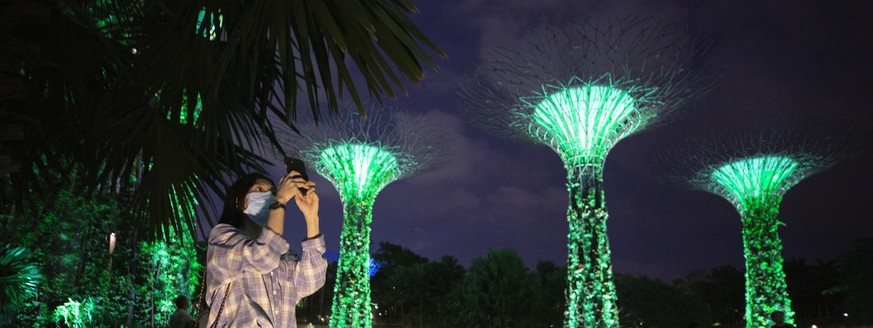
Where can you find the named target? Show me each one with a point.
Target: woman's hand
(308, 202)
(308, 205)
(289, 187)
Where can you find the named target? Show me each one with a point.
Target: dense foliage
(856, 275)
(496, 290)
(80, 284)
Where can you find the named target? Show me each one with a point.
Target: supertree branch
(658, 65)
(360, 156)
(753, 171)
(580, 89)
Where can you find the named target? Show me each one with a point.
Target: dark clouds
(791, 58)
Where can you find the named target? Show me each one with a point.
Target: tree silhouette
(496, 292)
(647, 302)
(856, 272)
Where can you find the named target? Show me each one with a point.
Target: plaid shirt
(266, 282)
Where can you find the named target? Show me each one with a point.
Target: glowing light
(359, 172)
(111, 242)
(187, 115)
(590, 295)
(214, 21)
(583, 123)
(194, 113)
(373, 267)
(360, 156)
(755, 177)
(593, 85)
(755, 185)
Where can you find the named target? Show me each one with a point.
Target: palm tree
(496, 292)
(165, 97)
(18, 281)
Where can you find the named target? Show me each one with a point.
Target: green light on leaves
(584, 123)
(590, 295)
(360, 156)
(359, 172)
(594, 84)
(187, 115)
(766, 289)
(755, 185)
(209, 23)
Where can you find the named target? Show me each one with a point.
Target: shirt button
(271, 273)
(274, 292)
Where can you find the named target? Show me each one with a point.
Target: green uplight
(755, 185)
(360, 156)
(581, 88)
(583, 123)
(755, 177)
(359, 172)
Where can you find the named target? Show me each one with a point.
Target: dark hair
(181, 302)
(235, 195)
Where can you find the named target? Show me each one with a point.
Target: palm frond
(120, 82)
(19, 278)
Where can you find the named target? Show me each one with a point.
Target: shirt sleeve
(309, 272)
(233, 251)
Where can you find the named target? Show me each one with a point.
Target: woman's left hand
(289, 187)
(308, 202)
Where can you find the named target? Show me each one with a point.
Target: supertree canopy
(580, 89)
(753, 171)
(360, 156)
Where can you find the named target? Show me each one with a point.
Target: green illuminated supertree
(360, 156)
(753, 172)
(580, 89)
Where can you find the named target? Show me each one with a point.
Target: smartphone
(294, 164)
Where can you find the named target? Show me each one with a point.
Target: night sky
(801, 59)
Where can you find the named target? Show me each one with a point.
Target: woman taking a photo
(252, 280)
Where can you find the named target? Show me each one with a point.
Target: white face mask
(259, 206)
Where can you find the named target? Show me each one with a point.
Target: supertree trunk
(766, 290)
(351, 298)
(590, 294)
